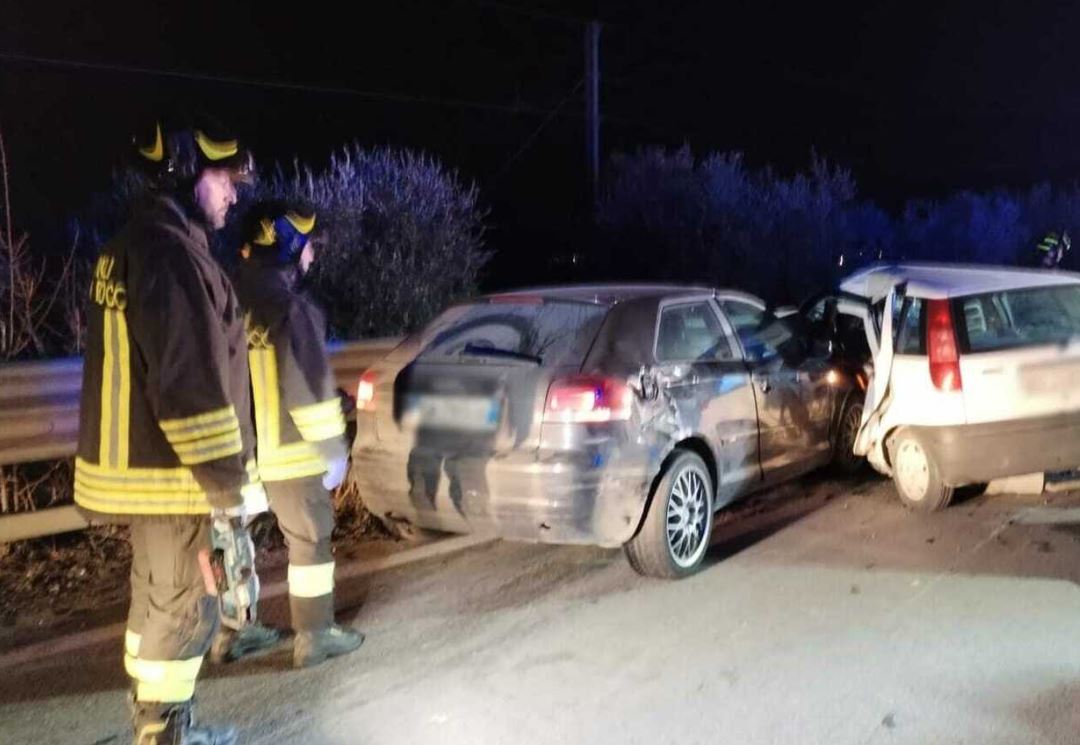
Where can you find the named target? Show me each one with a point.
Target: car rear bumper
(978, 453)
(593, 497)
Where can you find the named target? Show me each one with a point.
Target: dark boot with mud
(172, 724)
(313, 647)
(254, 640)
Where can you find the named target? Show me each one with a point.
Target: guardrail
(39, 420)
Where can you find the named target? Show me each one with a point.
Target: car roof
(611, 294)
(941, 280)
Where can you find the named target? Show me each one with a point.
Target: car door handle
(763, 383)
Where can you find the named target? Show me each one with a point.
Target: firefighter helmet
(174, 156)
(279, 231)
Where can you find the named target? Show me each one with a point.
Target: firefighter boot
(312, 647)
(171, 724)
(251, 641)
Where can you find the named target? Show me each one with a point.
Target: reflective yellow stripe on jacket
(204, 437)
(145, 491)
(115, 390)
(279, 462)
(320, 421)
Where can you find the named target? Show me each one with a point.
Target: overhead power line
(406, 98)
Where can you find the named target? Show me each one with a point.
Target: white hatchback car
(976, 374)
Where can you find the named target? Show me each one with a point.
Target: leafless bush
(39, 315)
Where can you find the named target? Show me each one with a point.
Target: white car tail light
(588, 398)
(942, 348)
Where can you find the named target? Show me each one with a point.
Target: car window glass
(691, 332)
(910, 338)
(764, 336)
(1020, 318)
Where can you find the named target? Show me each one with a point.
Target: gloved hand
(255, 501)
(236, 516)
(335, 473)
(254, 504)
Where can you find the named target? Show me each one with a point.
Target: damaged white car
(976, 374)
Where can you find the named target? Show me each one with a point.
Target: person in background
(302, 454)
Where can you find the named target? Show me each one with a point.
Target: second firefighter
(300, 427)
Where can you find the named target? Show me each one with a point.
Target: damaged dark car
(619, 416)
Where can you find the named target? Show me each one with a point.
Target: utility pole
(592, 107)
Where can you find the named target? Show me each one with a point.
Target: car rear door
(702, 374)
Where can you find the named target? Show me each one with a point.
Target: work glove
(335, 472)
(254, 504)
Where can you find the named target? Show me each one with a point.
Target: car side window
(744, 317)
(825, 322)
(910, 337)
(899, 303)
(691, 332)
(763, 336)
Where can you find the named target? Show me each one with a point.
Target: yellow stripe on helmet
(156, 151)
(214, 150)
(267, 234)
(303, 224)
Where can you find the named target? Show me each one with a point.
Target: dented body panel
(1015, 408)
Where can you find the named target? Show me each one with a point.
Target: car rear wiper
(477, 350)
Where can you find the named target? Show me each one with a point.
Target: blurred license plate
(466, 413)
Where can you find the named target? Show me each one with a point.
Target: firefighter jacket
(298, 415)
(165, 423)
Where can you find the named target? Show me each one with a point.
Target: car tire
(674, 536)
(916, 475)
(847, 429)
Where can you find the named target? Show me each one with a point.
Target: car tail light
(588, 398)
(365, 392)
(941, 345)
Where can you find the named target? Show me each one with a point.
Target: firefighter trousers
(172, 617)
(305, 514)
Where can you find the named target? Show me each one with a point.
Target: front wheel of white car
(916, 475)
(674, 536)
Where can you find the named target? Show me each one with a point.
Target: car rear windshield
(1019, 318)
(552, 333)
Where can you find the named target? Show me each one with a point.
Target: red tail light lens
(588, 398)
(365, 392)
(941, 346)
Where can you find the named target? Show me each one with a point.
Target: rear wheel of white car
(916, 475)
(674, 537)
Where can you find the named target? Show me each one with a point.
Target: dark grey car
(615, 416)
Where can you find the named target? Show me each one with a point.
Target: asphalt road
(825, 614)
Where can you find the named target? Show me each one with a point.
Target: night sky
(917, 101)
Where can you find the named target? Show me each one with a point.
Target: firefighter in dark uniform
(164, 431)
(302, 454)
(1051, 250)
